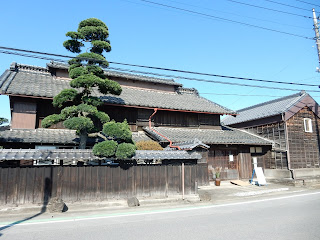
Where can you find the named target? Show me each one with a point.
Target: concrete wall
(307, 172)
(277, 173)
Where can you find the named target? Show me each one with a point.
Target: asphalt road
(287, 217)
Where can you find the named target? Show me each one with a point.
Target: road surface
(287, 217)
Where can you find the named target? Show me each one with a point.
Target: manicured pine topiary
(87, 74)
(120, 134)
(3, 120)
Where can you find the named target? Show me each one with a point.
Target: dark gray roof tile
(86, 154)
(266, 109)
(126, 75)
(53, 136)
(42, 84)
(208, 136)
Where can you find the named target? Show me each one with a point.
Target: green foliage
(94, 101)
(99, 46)
(105, 149)
(103, 117)
(50, 120)
(91, 58)
(87, 74)
(73, 45)
(79, 123)
(3, 120)
(118, 131)
(64, 96)
(77, 72)
(148, 145)
(125, 150)
(74, 35)
(92, 22)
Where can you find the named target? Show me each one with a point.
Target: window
(255, 149)
(230, 156)
(307, 125)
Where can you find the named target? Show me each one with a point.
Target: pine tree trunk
(83, 140)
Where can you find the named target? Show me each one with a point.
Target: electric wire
(308, 3)
(181, 77)
(214, 75)
(211, 81)
(239, 15)
(226, 19)
(287, 5)
(143, 66)
(270, 9)
(244, 95)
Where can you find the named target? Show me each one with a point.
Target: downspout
(287, 147)
(170, 142)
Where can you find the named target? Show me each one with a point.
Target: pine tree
(3, 120)
(87, 74)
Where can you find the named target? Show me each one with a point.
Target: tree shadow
(46, 198)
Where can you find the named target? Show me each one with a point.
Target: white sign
(260, 176)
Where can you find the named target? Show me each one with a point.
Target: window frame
(307, 123)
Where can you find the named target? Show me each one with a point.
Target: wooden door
(245, 166)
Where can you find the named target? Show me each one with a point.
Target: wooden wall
(304, 146)
(24, 115)
(36, 185)
(277, 158)
(242, 164)
(136, 117)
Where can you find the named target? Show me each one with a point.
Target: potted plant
(217, 172)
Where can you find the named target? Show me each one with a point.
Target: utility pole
(316, 29)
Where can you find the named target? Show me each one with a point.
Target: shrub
(105, 149)
(125, 150)
(118, 131)
(148, 145)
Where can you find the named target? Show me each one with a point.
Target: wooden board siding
(36, 185)
(276, 133)
(24, 115)
(219, 157)
(304, 146)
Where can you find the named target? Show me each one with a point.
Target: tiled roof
(86, 154)
(189, 145)
(131, 76)
(152, 154)
(53, 136)
(208, 136)
(39, 82)
(266, 109)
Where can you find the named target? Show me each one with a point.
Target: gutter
(287, 147)
(170, 142)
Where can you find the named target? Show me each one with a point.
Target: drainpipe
(170, 142)
(287, 148)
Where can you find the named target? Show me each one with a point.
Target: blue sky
(147, 34)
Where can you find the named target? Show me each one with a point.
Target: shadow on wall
(46, 198)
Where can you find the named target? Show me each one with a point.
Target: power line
(235, 14)
(308, 3)
(287, 5)
(226, 19)
(243, 95)
(178, 77)
(209, 81)
(270, 9)
(212, 75)
(143, 66)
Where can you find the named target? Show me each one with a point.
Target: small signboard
(260, 176)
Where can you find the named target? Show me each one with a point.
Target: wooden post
(182, 166)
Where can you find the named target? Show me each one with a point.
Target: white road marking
(83, 218)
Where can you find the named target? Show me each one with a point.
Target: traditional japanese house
(292, 123)
(156, 108)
